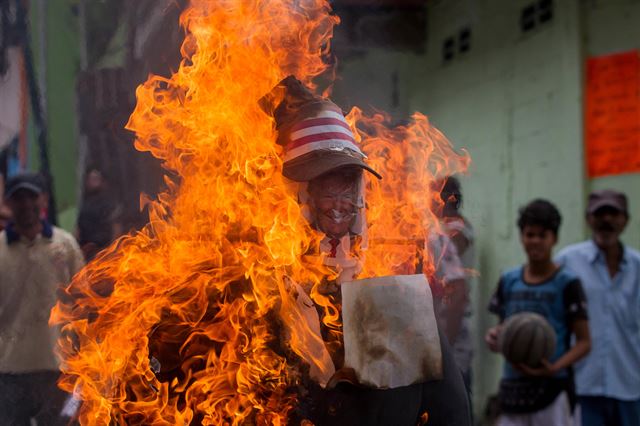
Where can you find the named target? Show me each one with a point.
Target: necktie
(334, 245)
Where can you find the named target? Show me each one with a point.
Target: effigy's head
(321, 153)
(334, 200)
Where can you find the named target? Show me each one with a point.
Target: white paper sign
(390, 332)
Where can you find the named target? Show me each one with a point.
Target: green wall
(62, 59)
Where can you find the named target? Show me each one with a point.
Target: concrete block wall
(376, 79)
(515, 101)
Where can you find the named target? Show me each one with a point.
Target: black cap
(29, 181)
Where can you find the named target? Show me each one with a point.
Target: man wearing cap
(35, 259)
(321, 155)
(608, 379)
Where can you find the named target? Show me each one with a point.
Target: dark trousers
(602, 411)
(29, 396)
(467, 377)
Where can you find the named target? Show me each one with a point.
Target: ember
(183, 322)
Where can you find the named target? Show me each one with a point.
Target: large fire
(183, 321)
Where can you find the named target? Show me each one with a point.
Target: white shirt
(30, 274)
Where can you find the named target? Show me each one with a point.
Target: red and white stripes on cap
(325, 130)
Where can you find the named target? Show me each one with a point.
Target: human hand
(491, 338)
(545, 370)
(343, 375)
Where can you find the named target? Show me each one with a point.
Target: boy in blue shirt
(543, 395)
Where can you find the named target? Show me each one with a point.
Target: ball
(527, 338)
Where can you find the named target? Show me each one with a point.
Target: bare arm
(496, 306)
(579, 350)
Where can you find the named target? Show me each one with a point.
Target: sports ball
(527, 338)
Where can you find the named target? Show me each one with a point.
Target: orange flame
(400, 209)
(202, 289)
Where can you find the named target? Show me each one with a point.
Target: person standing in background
(460, 233)
(98, 223)
(608, 379)
(36, 258)
(542, 395)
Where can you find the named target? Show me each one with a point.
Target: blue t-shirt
(560, 300)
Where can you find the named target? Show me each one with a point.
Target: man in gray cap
(608, 379)
(35, 259)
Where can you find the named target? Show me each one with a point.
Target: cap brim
(24, 185)
(312, 165)
(604, 203)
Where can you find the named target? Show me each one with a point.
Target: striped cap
(314, 133)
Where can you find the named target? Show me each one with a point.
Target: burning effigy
(262, 289)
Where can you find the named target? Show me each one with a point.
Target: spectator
(460, 232)
(541, 395)
(608, 380)
(35, 258)
(97, 220)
